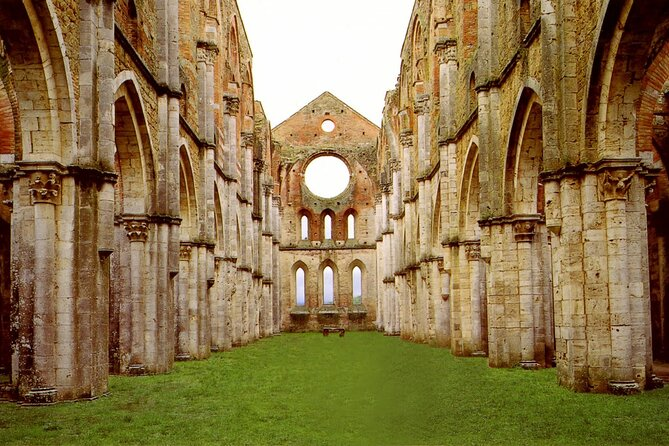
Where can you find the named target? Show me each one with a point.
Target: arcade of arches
(513, 204)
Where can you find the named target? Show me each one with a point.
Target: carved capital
(394, 165)
(614, 184)
(523, 231)
(422, 104)
(185, 251)
(473, 251)
(137, 230)
(406, 139)
(231, 105)
(206, 55)
(45, 188)
(247, 140)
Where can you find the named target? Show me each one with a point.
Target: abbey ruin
(513, 204)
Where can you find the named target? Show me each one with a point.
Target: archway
(524, 202)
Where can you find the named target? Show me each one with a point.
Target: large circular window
(327, 176)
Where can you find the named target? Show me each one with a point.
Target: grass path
(363, 389)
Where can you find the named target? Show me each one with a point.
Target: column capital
(185, 251)
(231, 104)
(45, 187)
(473, 251)
(524, 230)
(406, 139)
(248, 138)
(422, 104)
(614, 183)
(137, 230)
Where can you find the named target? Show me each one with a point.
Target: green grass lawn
(363, 389)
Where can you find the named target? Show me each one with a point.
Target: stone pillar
(45, 195)
(477, 299)
(601, 287)
(137, 232)
(527, 284)
(182, 334)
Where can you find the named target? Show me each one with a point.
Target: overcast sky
(302, 48)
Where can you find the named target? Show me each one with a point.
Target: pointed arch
(329, 283)
(187, 197)
(299, 273)
(469, 194)
(41, 79)
(523, 193)
(135, 189)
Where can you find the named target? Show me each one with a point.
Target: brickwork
(299, 140)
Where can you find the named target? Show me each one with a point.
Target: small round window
(327, 176)
(328, 125)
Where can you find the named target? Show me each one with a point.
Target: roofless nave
(513, 204)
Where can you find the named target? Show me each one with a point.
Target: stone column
(527, 283)
(45, 195)
(613, 185)
(182, 336)
(137, 232)
(473, 254)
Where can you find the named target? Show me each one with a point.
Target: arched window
(351, 226)
(328, 286)
(357, 286)
(327, 227)
(299, 288)
(304, 228)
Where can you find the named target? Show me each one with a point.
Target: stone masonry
(513, 204)
(523, 185)
(138, 219)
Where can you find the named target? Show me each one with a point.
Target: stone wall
(134, 165)
(543, 161)
(299, 140)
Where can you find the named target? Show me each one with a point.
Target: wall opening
(304, 228)
(350, 226)
(327, 176)
(328, 286)
(357, 286)
(300, 295)
(327, 227)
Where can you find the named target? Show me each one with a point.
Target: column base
(529, 365)
(654, 382)
(479, 354)
(183, 357)
(40, 396)
(136, 369)
(624, 387)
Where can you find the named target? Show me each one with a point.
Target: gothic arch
(219, 228)
(187, 197)
(293, 282)
(629, 40)
(469, 194)
(328, 263)
(523, 193)
(41, 79)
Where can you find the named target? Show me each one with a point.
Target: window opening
(357, 286)
(304, 228)
(299, 288)
(328, 286)
(351, 226)
(327, 227)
